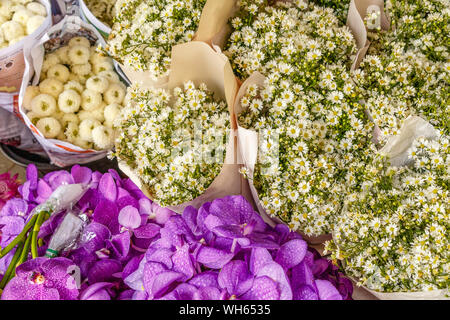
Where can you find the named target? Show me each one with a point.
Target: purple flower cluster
(224, 250)
(134, 249)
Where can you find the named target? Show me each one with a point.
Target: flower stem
(26, 249)
(12, 266)
(34, 234)
(19, 238)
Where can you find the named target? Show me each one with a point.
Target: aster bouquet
(393, 233)
(406, 71)
(314, 137)
(157, 140)
(145, 31)
(177, 142)
(8, 187)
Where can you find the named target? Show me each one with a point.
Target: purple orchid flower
(43, 279)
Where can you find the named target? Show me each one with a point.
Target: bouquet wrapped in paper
(393, 233)
(303, 135)
(177, 143)
(74, 96)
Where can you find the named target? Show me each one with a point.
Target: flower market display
(250, 150)
(78, 97)
(168, 145)
(319, 128)
(19, 18)
(145, 31)
(130, 248)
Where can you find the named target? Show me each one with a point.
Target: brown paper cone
(213, 27)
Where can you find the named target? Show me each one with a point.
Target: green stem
(12, 266)
(26, 249)
(34, 234)
(19, 238)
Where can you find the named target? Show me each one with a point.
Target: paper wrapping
(200, 63)
(396, 148)
(61, 153)
(419, 295)
(355, 21)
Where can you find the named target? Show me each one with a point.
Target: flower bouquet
(130, 248)
(20, 23)
(144, 33)
(100, 14)
(304, 136)
(406, 71)
(75, 93)
(393, 234)
(178, 143)
(224, 251)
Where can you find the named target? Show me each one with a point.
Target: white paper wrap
(61, 153)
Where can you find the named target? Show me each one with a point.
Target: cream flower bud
(49, 127)
(79, 54)
(74, 85)
(111, 75)
(63, 54)
(86, 127)
(50, 60)
(34, 23)
(72, 132)
(96, 57)
(83, 144)
(97, 84)
(79, 41)
(12, 30)
(90, 99)
(52, 87)
(43, 105)
(111, 113)
(114, 94)
(30, 93)
(83, 115)
(103, 137)
(59, 71)
(34, 118)
(98, 113)
(69, 101)
(69, 117)
(6, 7)
(37, 9)
(102, 66)
(22, 16)
(81, 69)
